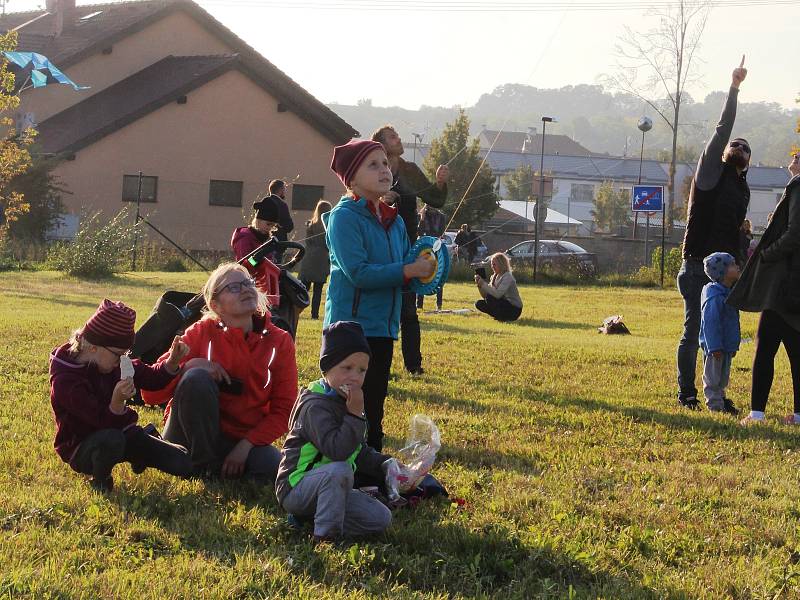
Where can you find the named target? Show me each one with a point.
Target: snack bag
(416, 458)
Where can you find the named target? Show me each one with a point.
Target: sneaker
(298, 522)
(691, 403)
(730, 408)
(138, 467)
(750, 420)
(417, 372)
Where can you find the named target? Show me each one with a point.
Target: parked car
(553, 254)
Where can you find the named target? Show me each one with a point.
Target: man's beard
(737, 159)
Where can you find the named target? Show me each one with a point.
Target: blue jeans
(691, 279)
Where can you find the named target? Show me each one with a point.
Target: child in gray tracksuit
(325, 445)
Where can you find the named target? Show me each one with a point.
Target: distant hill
(597, 119)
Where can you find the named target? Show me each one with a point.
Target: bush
(98, 250)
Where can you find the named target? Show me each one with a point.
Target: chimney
(64, 15)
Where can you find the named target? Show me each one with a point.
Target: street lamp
(417, 138)
(545, 121)
(645, 124)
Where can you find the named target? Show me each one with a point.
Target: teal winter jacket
(366, 268)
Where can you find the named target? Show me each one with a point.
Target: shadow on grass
(60, 300)
(549, 324)
(694, 421)
(433, 549)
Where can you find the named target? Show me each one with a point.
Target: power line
(480, 5)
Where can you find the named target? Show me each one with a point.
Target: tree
(519, 184)
(795, 147)
(14, 155)
(661, 61)
(685, 154)
(471, 197)
(42, 194)
(612, 208)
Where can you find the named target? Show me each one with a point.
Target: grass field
(582, 477)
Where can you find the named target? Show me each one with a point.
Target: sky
(409, 52)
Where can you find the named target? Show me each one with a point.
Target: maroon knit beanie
(347, 158)
(110, 325)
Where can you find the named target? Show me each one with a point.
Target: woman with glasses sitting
(237, 386)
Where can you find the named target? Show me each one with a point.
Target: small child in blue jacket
(719, 330)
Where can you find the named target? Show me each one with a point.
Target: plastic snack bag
(415, 459)
(125, 367)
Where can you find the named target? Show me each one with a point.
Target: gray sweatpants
(716, 375)
(339, 511)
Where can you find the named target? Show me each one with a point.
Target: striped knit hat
(347, 158)
(110, 325)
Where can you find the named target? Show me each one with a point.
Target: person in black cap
(326, 448)
(718, 202)
(246, 239)
(277, 189)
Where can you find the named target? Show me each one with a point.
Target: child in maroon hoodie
(95, 430)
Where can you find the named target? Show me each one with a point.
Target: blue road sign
(647, 198)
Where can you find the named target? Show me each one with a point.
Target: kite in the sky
(38, 71)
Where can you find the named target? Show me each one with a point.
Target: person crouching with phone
(500, 296)
(237, 386)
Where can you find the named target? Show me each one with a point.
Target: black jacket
(410, 183)
(771, 279)
(719, 196)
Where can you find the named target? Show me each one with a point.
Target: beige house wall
(229, 129)
(177, 34)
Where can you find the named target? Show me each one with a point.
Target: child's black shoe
(691, 403)
(103, 485)
(730, 408)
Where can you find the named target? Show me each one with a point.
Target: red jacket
(80, 395)
(246, 239)
(265, 363)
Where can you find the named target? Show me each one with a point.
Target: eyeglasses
(117, 354)
(236, 287)
(741, 145)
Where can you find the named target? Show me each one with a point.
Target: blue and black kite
(37, 70)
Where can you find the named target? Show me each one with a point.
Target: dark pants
(376, 386)
(772, 330)
(409, 331)
(499, 308)
(194, 422)
(105, 448)
(439, 292)
(691, 279)
(316, 296)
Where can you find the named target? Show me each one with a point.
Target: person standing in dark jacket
(718, 202)
(770, 284)
(316, 266)
(409, 184)
(277, 189)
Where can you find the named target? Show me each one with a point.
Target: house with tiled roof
(178, 96)
(530, 142)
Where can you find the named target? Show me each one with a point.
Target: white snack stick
(125, 367)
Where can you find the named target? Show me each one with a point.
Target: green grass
(581, 476)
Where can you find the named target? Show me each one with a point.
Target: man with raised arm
(718, 203)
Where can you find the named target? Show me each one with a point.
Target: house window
(581, 192)
(130, 188)
(225, 193)
(305, 197)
